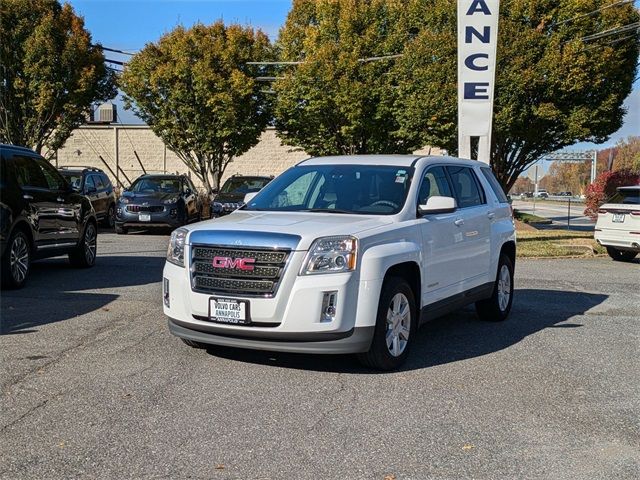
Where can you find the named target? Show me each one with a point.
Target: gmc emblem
(239, 263)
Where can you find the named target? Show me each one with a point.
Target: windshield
(74, 179)
(242, 186)
(154, 185)
(359, 189)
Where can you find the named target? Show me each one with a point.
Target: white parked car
(345, 255)
(618, 225)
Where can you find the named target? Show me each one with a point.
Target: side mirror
(438, 204)
(91, 190)
(249, 196)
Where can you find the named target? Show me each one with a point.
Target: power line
(624, 2)
(113, 50)
(612, 31)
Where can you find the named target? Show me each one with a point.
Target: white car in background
(618, 225)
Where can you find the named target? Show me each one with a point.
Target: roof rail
(80, 167)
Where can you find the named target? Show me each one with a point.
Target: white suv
(345, 255)
(618, 225)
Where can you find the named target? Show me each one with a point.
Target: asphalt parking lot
(94, 386)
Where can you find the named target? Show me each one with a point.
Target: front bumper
(356, 340)
(164, 218)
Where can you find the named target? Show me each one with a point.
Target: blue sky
(130, 24)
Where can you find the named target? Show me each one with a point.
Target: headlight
(175, 252)
(124, 200)
(217, 206)
(331, 255)
(170, 200)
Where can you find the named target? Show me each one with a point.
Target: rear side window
(89, 183)
(467, 187)
(97, 179)
(105, 181)
(27, 172)
(495, 185)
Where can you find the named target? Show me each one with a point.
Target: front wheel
(621, 255)
(16, 261)
(84, 255)
(396, 325)
(497, 307)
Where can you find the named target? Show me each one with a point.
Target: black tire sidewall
(379, 353)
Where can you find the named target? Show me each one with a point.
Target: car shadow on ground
(56, 291)
(455, 337)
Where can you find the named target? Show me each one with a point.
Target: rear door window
(97, 179)
(468, 191)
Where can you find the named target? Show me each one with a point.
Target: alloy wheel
(90, 243)
(19, 259)
(398, 324)
(504, 288)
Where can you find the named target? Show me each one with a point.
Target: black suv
(231, 195)
(95, 184)
(40, 216)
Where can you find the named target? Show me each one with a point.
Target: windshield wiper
(325, 210)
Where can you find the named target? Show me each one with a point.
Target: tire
(621, 255)
(121, 230)
(497, 307)
(16, 261)
(387, 351)
(84, 255)
(110, 219)
(194, 344)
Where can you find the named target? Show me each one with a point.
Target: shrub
(605, 186)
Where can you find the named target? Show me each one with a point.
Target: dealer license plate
(226, 310)
(144, 217)
(618, 218)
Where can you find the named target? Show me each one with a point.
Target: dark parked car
(158, 201)
(231, 195)
(95, 184)
(40, 216)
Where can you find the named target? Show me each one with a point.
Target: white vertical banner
(477, 46)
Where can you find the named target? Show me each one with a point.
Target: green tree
(553, 87)
(196, 92)
(50, 73)
(335, 102)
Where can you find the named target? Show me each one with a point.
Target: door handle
(27, 197)
(459, 222)
(60, 199)
(491, 215)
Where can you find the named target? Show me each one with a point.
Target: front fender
(378, 259)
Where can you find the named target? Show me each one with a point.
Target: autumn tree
(195, 90)
(628, 155)
(555, 86)
(50, 73)
(340, 100)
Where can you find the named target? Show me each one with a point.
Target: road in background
(557, 213)
(94, 386)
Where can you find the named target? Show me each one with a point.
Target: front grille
(145, 208)
(228, 279)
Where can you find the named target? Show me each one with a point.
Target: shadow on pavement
(55, 290)
(452, 338)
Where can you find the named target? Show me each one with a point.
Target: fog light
(328, 311)
(119, 212)
(174, 212)
(165, 292)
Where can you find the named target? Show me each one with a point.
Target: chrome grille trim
(262, 281)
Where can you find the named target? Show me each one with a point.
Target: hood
(229, 197)
(137, 197)
(306, 225)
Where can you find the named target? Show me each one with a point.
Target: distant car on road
(231, 195)
(525, 195)
(40, 216)
(541, 194)
(156, 200)
(618, 225)
(565, 194)
(95, 184)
